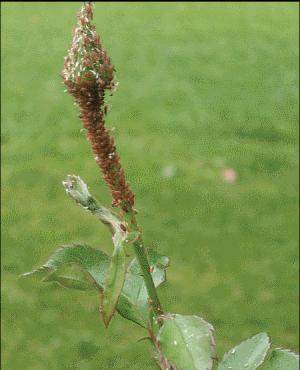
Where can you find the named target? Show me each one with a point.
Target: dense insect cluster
(88, 73)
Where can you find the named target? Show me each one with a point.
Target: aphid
(105, 110)
(121, 214)
(125, 209)
(114, 203)
(151, 308)
(73, 29)
(132, 221)
(82, 20)
(151, 269)
(123, 227)
(140, 230)
(96, 38)
(86, 40)
(94, 55)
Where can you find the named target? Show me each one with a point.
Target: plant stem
(142, 258)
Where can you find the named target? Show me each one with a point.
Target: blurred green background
(206, 124)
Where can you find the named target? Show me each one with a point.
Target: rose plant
(179, 342)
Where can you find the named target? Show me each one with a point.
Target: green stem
(142, 258)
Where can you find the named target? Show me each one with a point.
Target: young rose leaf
(282, 359)
(115, 277)
(73, 276)
(248, 354)
(187, 342)
(134, 293)
(31, 279)
(132, 305)
(94, 261)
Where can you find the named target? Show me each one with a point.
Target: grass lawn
(206, 124)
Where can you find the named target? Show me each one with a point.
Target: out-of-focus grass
(208, 90)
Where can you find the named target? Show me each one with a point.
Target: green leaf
(249, 354)
(134, 304)
(116, 275)
(30, 279)
(94, 261)
(74, 276)
(64, 268)
(282, 359)
(114, 281)
(187, 342)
